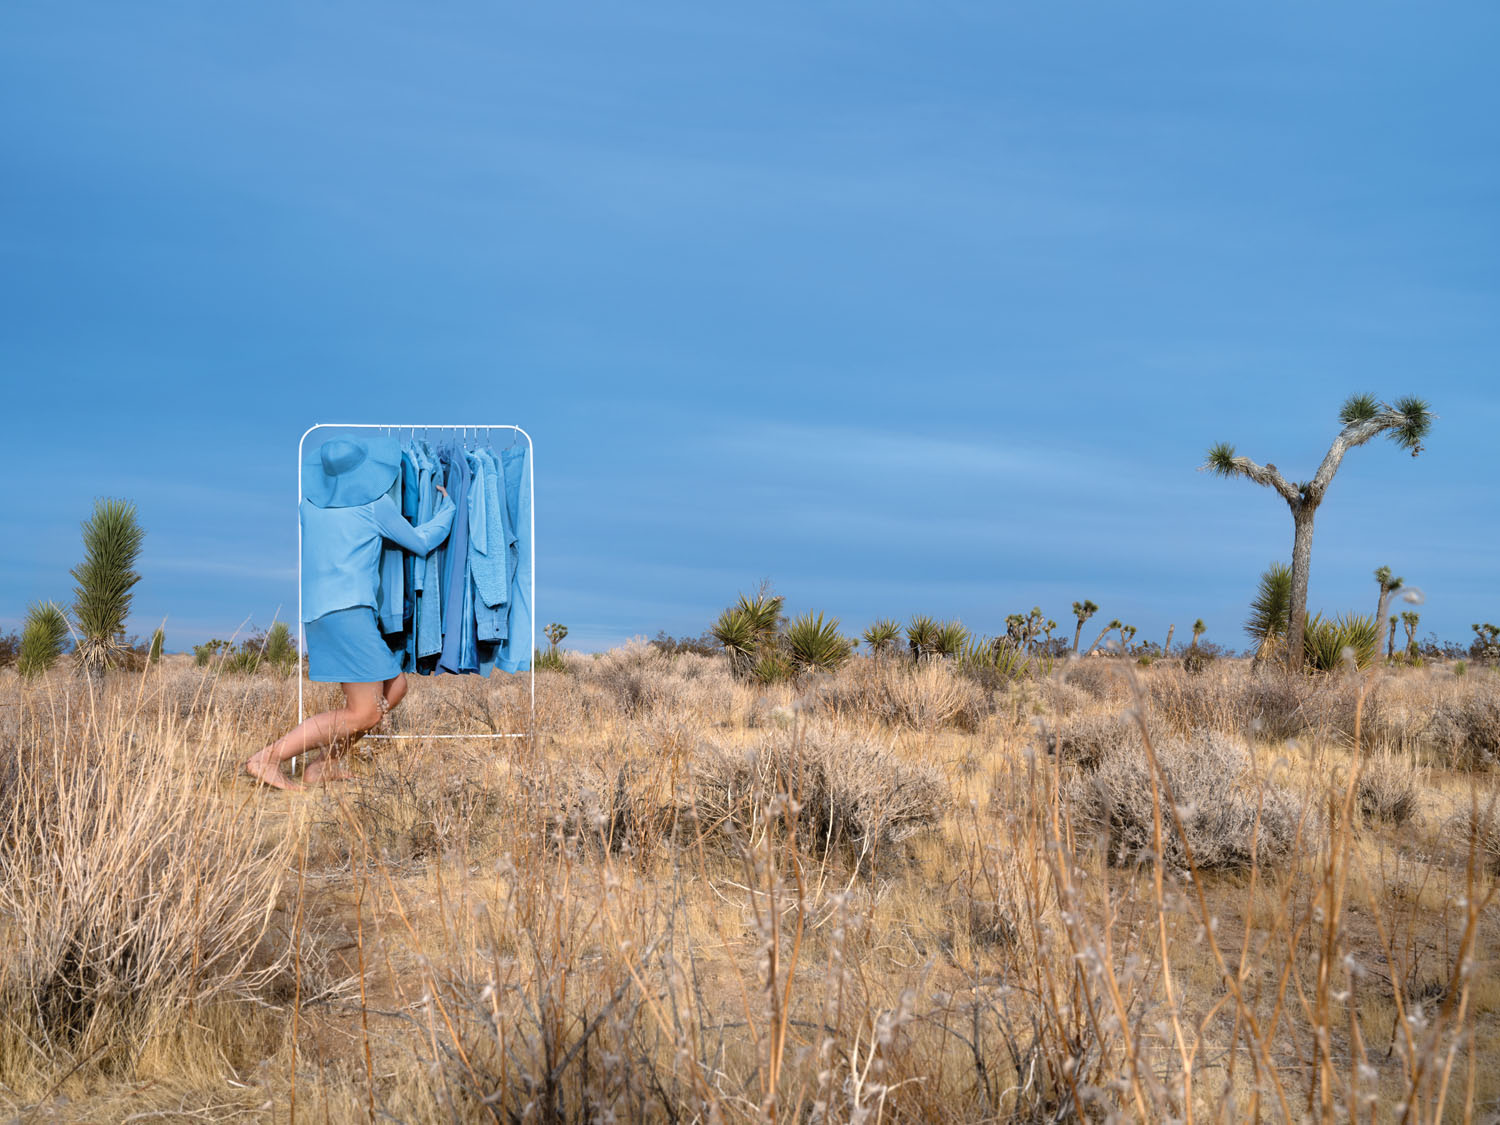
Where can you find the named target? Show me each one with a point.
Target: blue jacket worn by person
(347, 515)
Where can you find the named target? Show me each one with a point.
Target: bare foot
(325, 770)
(269, 773)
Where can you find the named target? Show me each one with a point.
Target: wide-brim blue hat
(343, 473)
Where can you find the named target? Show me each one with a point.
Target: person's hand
(443, 490)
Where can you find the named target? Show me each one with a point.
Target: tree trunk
(1166, 649)
(1108, 629)
(1380, 621)
(1078, 632)
(1301, 569)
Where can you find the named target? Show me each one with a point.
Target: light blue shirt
(341, 550)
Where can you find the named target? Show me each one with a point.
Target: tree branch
(1267, 475)
(1354, 434)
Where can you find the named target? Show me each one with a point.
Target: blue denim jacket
(341, 550)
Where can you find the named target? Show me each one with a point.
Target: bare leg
(362, 710)
(329, 767)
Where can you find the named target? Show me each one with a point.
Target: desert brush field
(1095, 891)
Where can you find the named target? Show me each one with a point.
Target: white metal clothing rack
(455, 432)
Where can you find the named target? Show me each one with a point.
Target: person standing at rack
(346, 515)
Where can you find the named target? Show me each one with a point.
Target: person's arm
(418, 540)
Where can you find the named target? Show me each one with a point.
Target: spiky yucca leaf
(1325, 641)
(281, 650)
(763, 612)
(950, 640)
(1415, 422)
(921, 635)
(815, 644)
(101, 600)
(881, 636)
(1270, 611)
(772, 667)
(992, 656)
(42, 638)
(1359, 408)
(1221, 460)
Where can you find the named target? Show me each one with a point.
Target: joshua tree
(1363, 417)
(1166, 649)
(555, 634)
(1083, 611)
(101, 600)
(1409, 623)
(1486, 640)
(1198, 630)
(1390, 644)
(1127, 634)
(42, 639)
(1388, 586)
(1108, 629)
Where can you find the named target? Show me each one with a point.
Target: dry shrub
(1219, 799)
(928, 696)
(1088, 738)
(408, 810)
(1338, 704)
(839, 790)
(613, 807)
(1060, 698)
(1389, 788)
(1478, 827)
(1273, 704)
(129, 893)
(1101, 678)
(1467, 727)
(1184, 703)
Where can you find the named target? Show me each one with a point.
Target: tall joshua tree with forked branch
(1083, 611)
(1363, 417)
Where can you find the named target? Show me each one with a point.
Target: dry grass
(873, 896)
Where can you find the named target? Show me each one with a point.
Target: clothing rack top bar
(415, 426)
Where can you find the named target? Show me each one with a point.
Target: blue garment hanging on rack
(516, 653)
(464, 606)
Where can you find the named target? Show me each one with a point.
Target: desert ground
(1093, 891)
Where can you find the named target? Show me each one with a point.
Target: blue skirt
(345, 647)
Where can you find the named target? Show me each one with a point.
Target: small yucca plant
(280, 650)
(813, 644)
(1270, 610)
(746, 627)
(1325, 641)
(42, 639)
(984, 658)
(101, 600)
(922, 635)
(881, 636)
(772, 667)
(950, 640)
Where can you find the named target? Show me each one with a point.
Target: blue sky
(908, 308)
